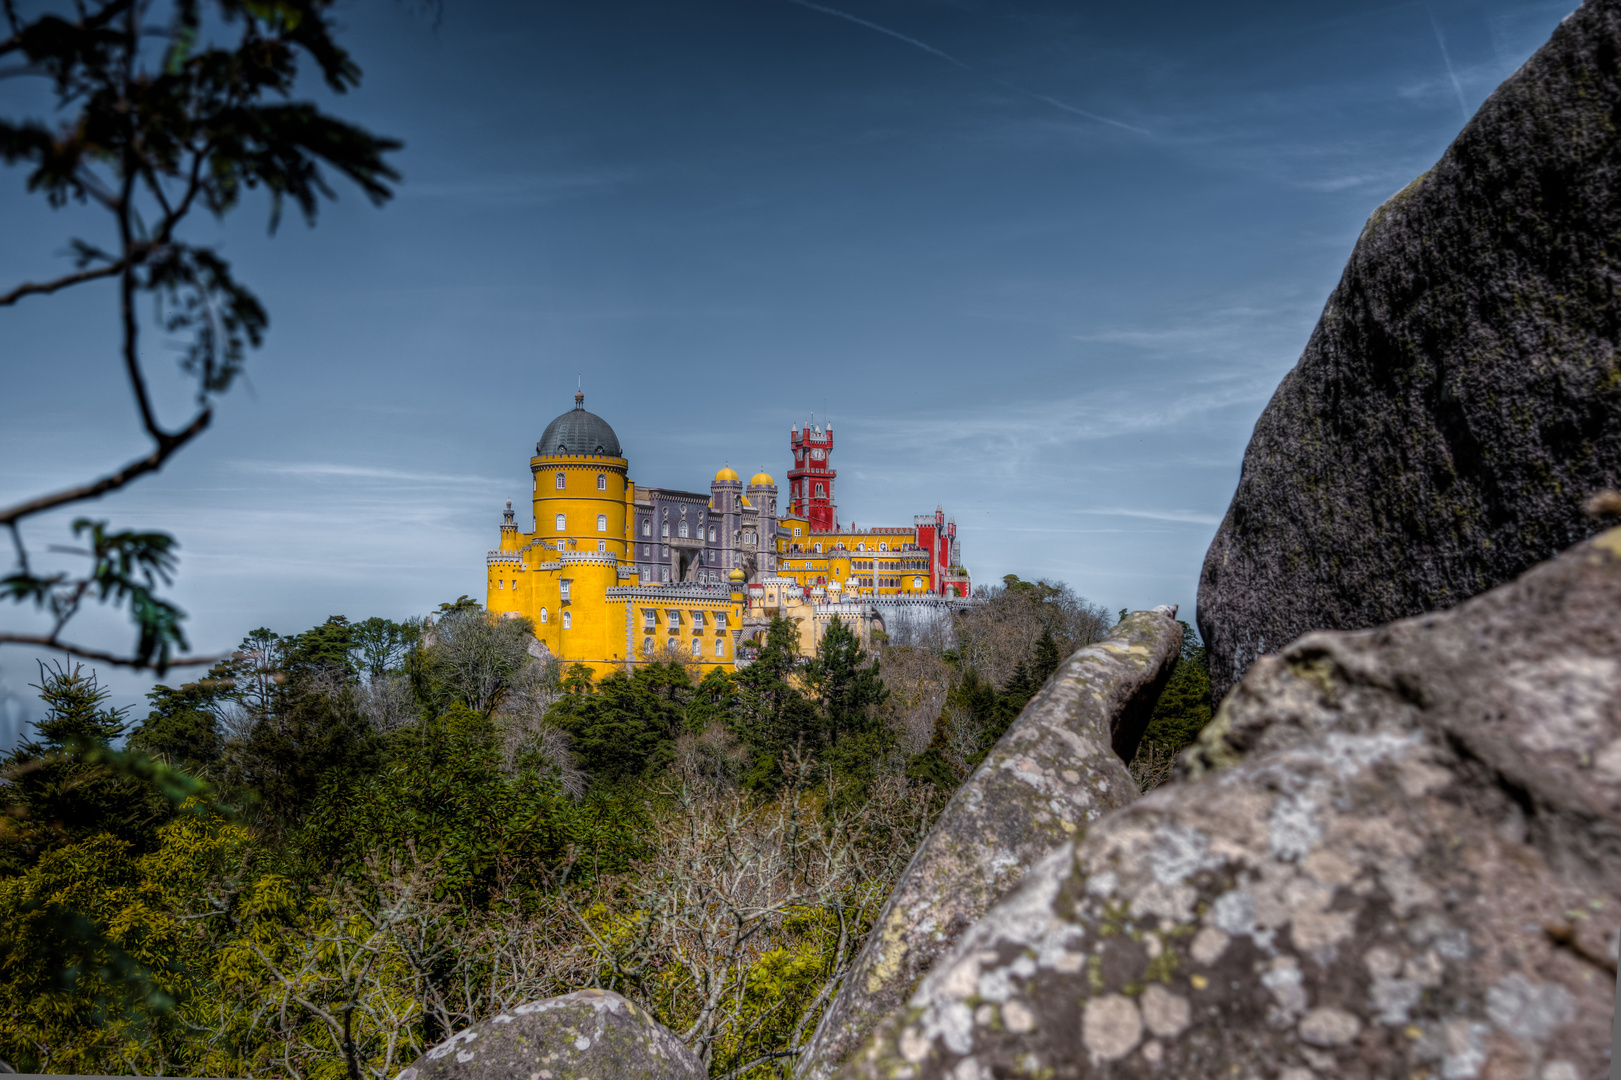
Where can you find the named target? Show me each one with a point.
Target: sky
(1040, 263)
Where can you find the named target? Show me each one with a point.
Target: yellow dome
(726, 473)
(761, 479)
(737, 575)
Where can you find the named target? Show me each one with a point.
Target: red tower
(810, 481)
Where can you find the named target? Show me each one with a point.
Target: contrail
(1440, 39)
(882, 30)
(926, 47)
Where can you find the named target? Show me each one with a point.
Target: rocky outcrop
(1461, 395)
(1048, 776)
(1401, 856)
(587, 1035)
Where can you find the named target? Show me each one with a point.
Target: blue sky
(1041, 263)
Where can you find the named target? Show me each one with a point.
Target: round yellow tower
(580, 481)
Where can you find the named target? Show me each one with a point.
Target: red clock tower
(810, 481)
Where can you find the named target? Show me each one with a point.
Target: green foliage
(1184, 708)
(61, 789)
(380, 645)
(182, 727)
(625, 725)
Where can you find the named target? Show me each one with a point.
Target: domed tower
(760, 523)
(580, 474)
(725, 522)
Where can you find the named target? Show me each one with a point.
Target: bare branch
(46, 642)
(167, 445)
(45, 288)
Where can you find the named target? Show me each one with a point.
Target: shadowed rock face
(1461, 395)
(587, 1035)
(1056, 769)
(1415, 871)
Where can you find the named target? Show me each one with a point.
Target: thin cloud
(338, 470)
(1187, 517)
(926, 47)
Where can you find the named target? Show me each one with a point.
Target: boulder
(1399, 855)
(1461, 396)
(1060, 765)
(586, 1035)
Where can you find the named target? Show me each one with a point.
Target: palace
(611, 573)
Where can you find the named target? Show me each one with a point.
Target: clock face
(818, 454)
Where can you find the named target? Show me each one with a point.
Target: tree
(1183, 709)
(477, 658)
(769, 712)
(380, 645)
(63, 789)
(157, 122)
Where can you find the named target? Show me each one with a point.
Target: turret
(509, 530)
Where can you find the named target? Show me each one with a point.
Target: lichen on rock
(586, 1035)
(1059, 767)
(1400, 856)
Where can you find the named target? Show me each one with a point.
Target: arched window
(562, 522)
(568, 619)
(712, 534)
(499, 584)
(664, 529)
(883, 547)
(820, 491)
(647, 527)
(542, 614)
(602, 482)
(559, 481)
(697, 647)
(602, 523)
(647, 644)
(720, 646)
(683, 529)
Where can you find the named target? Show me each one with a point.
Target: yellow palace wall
(559, 577)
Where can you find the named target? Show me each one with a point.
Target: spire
(506, 518)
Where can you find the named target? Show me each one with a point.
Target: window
(602, 523)
(499, 584)
(675, 617)
(650, 618)
(647, 527)
(820, 491)
(562, 522)
(917, 583)
(697, 620)
(568, 618)
(602, 546)
(565, 587)
(560, 481)
(647, 645)
(602, 482)
(712, 534)
(647, 551)
(720, 646)
(542, 614)
(666, 575)
(882, 547)
(720, 620)
(796, 530)
(664, 529)
(697, 647)
(683, 529)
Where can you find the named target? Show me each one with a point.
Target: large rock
(586, 1035)
(1060, 766)
(1461, 395)
(1403, 859)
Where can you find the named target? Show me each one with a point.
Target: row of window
(697, 646)
(650, 617)
(817, 547)
(602, 481)
(562, 524)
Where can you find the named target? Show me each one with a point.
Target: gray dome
(579, 432)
